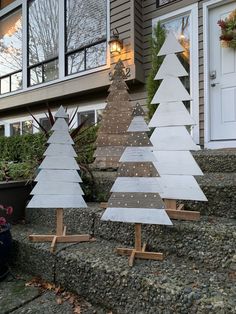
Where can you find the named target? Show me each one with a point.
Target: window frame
(192, 10)
(62, 49)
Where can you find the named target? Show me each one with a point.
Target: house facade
(57, 52)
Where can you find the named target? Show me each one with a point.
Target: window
(15, 128)
(2, 130)
(24, 127)
(11, 52)
(45, 123)
(27, 127)
(87, 116)
(43, 40)
(4, 3)
(85, 35)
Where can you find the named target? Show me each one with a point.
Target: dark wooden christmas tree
(117, 116)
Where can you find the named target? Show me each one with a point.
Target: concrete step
(219, 188)
(94, 271)
(211, 239)
(219, 160)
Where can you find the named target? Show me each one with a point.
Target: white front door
(222, 80)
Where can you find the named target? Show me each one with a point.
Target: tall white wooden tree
(135, 193)
(58, 181)
(171, 140)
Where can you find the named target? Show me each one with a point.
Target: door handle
(214, 84)
(213, 75)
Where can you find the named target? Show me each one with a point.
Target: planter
(5, 248)
(15, 194)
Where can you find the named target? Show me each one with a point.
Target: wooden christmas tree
(112, 133)
(135, 193)
(58, 182)
(171, 140)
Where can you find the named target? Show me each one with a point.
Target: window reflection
(86, 117)
(4, 3)
(43, 40)
(15, 128)
(27, 127)
(11, 51)
(85, 34)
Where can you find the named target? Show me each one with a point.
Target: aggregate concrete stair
(179, 284)
(218, 183)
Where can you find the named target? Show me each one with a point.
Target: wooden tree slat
(51, 162)
(138, 124)
(137, 215)
(171, 114)
(60, 150)
(138, 154)
(137, 169)
(136, 200)
(109, 151)
(57, 201)
(171, 66)
(181, 188)
(137, 184)
(171, 45)
(176, 162)
(177, 92)
(58, 175)
(60, 125)
(57, 188)
(174, 138)
(60, 138)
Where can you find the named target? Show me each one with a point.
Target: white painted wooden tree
(135, 194)
(58, 181)
(171, 140)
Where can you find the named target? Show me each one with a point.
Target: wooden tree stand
(175, 212)
(139, 250)
(60, 236)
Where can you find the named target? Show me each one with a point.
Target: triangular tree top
(170, 46)
(112, 134)
(171, 66)
(138, 110)
(61, 113)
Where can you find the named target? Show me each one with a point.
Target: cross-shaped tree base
(60, 236)
(139, 251)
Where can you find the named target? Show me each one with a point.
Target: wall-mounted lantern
(115, 43)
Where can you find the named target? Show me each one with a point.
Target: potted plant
(228, 30)
(5, 240)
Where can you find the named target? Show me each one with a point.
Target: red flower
(2, 221)
(222, 24)
(9, 210)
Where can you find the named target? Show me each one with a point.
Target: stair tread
(93, 269)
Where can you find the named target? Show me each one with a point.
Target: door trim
(208, 143)
(194, 61)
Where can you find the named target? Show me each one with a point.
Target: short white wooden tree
(58, 181)
(135, 193)
(171, 140)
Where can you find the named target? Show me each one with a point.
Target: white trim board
(207, 137)
(194, 61)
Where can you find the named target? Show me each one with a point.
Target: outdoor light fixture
(115, 43)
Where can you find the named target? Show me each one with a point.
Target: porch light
(115, 43)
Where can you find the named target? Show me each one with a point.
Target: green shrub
(10, 171)
(22, 148)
